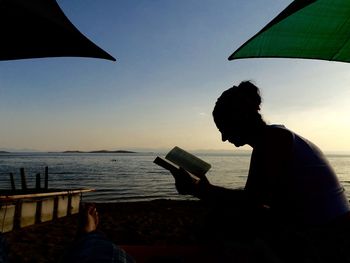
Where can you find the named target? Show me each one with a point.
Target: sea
(128, 177)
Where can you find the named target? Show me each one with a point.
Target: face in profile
(233, 133)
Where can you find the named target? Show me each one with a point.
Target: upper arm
(278, 151)
(270, 164)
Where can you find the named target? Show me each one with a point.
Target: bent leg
(3, 249)
(95, 247)
(91, 245)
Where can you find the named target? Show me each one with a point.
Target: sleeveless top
(313, 190)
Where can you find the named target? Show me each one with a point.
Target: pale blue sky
(171, 66)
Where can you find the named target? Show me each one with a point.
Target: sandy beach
(190, 228)
(156, 223)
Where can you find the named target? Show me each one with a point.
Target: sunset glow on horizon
(171, 67)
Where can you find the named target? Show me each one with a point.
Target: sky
(171, 67)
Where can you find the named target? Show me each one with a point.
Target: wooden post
(46, 177)
(23, 179)
(37, 182)
(13, 186)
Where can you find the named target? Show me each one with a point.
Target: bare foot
(89, 218)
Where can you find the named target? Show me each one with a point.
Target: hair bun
(239, 101)
(242, 98)
(250, 95)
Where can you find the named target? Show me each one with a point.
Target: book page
(188, 161)
(165, 164)
(172, 167)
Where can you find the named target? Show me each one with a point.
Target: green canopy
(313, 29)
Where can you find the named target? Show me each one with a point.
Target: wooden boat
(25, 207)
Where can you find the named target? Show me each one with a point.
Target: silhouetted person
(289, 177)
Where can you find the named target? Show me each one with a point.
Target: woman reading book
(288, 174)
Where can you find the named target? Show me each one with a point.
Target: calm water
(131, 177)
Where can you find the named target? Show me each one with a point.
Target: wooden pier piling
(23, 179)
(46, 177)
(13, 186)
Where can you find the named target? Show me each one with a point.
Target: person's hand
(186, 184)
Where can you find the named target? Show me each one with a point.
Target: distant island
(4, 152)
(100, 151)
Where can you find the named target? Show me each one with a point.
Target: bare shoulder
(280, 137)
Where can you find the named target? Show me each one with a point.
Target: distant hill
(118, 151)
(100, 151)
(4, 152)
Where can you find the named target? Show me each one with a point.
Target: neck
(257, 134)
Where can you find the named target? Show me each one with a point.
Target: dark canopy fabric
(39, 28)
(315, 29)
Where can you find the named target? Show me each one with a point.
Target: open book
(178, 157)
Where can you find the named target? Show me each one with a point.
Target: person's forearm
(220, 194)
